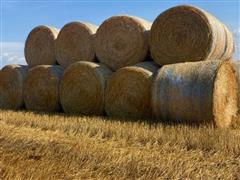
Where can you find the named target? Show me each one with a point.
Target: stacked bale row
(121, 84)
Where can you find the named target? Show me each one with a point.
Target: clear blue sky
(19, 17)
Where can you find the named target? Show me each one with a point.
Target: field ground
(56, 146)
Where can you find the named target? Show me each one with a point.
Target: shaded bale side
(41, 89)
(128, 92)
(122, 41)
(82, 89)
(236, 65)
(11, 86)
(40, 46)
(75, 42)
(186, 33)
(196, 92)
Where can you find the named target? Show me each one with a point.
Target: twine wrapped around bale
(128, 92)
(11, 86)
(75, 42)
(40, 46)
(196, 92)
(186, 33)
(41, 89)
(82, 88)
(122, 41)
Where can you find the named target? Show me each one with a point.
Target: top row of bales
(179, 34)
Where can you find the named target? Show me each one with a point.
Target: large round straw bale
(128, 92)
(40, 46)
(122, 41)
(75, 42)
(196, 92)
(186, 33)
(82, 88)
(41, 89)
(11, 86)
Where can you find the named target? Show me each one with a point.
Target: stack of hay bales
(196, 92)
(105, 70)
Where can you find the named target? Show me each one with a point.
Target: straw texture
(41, 89)
(11, 86)
(186, 33)
(128, 92)
(236, 65)
(122, 41)
(40, 46)
(196, 92)
(75, 42)
(82, 89)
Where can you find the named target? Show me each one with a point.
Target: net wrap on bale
(196, 92)
(186, 33)
(83, 88)
(128, 92)
(75, 42)
(41, 90)
(40, 46)
(11, 86)
(122, 41)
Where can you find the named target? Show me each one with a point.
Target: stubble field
(56, 146)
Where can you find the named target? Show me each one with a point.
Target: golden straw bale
(41, 89)
(122, 41)
(75, 42)
(82, 88)
(186, 33)
(40, 46)
(11, 86)
(196, 92)
(128, 92)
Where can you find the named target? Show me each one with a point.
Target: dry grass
(41, 146)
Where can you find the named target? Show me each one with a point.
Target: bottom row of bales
(193, 92)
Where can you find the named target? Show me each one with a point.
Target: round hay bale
(75, 42)
(122, 41)
(41, 89)
(40, 46)
(82, 88)
(11, 86)
(196, 92)
(186, 33)
(128, 92)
